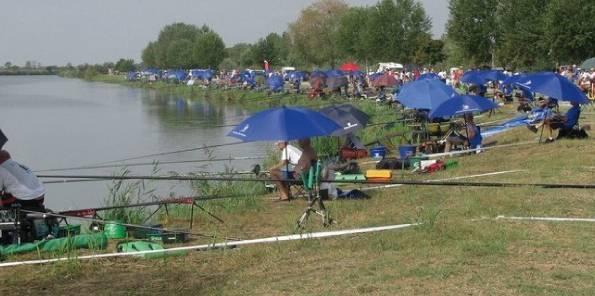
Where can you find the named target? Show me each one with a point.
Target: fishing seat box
(350, 177)
(379, 175)
(347, 153)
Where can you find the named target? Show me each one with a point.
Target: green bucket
(114, 230)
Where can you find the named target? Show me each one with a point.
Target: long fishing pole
(175, 200)
(171, 152)
(149, 163)
(390, 182)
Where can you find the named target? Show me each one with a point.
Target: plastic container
(69, 230)
(379, 174)
(406, 151)
(378, 152)
(350, 177)
(451, 164)
(113, 230)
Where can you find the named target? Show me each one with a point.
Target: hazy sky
(83, 31)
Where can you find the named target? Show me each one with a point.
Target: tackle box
(379, 174)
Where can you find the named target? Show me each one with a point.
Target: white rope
(552, 219)
(221, 245)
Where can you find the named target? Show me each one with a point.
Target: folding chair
(311, 183)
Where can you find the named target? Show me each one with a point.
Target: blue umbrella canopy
(318, 73)
(334, 73)
(285, 124)
(460, 105)
(425, 94)
(553, 85)
(481, 77)
(428, 75)
(275, 83)
(349, 117)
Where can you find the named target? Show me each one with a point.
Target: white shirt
(19, 181)
(292, 154)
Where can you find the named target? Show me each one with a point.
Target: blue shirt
(572, 116)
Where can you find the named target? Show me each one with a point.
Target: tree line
(516, 34)
(520, 34)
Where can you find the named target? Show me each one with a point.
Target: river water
(54, 122)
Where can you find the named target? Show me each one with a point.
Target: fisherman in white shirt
(285, 169)
(18, 184)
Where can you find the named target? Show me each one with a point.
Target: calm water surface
(53, 122)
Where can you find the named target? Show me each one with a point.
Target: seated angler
(19, 185)
(569, 127)
(285, 169)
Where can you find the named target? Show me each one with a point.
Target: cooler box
(379, 174)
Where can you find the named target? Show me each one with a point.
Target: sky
(85, 31)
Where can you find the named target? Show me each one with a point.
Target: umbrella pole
(289, 197)
(467, 133)
(541, 134)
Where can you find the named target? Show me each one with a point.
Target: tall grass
(124, 193)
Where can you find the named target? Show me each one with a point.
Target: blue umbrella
(481, 77)
(275, 83)
(334, 73)
(318, 73)
(460, 105)
(473, 77)
(285, 124)
(428, 75)
(553, 85)
(425, 94)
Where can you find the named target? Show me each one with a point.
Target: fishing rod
(389, 182)
(172, 152)
(149, 163)
(171, 200)
(136, 226)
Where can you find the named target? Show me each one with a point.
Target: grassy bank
(459, 249)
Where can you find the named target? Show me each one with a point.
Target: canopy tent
(336, 82)
(178, 75)
(275, 83)
(588, 64)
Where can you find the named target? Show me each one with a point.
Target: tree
(570, 30)
(350, 38)
(396, 30)
(149, 55)
(179, 54)
(7, 65)
(125, 65)
(269, 49)
(235, 55)
(473, 28)
(521, 43)
(186, 46)
(431, 53)
(209, 50)
(312, 34)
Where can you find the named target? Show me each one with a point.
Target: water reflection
(55, 123)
